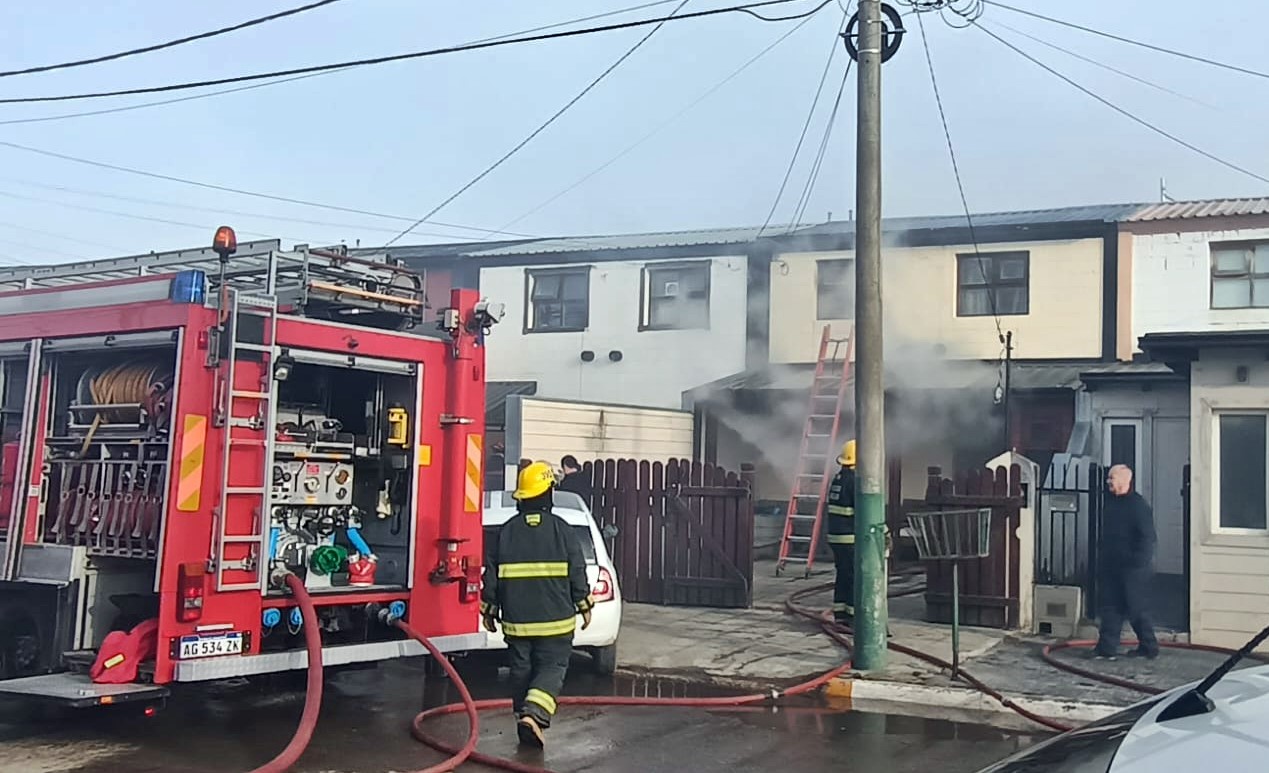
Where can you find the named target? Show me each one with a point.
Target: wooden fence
(684, 531)
(989, 586)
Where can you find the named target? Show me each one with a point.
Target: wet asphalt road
(365, 719)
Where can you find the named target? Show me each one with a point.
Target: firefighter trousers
(844, 584)
(538, 668)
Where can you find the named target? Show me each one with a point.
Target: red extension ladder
(817, 455)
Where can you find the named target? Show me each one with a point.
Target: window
(676, 297)
(1240, 276)
(559, 300)
(993, 283)
(835, 289)
(1121, 441)
(1240, 460)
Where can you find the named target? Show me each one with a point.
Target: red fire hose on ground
(467, 751)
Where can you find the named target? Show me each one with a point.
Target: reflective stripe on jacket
(535, 577)
(840, 510)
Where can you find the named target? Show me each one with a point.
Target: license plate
(210, 645)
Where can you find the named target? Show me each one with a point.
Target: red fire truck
(179, 432)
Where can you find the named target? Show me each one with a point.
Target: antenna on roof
(1163, 191)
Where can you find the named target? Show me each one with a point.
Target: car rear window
(581, 532)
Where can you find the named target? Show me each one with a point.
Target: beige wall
(549, 429)
(1229, 570)
(919, 292)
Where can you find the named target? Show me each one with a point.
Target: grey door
(1170, 449)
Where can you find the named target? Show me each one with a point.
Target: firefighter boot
(530, 732)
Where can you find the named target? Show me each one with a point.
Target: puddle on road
(365, 715)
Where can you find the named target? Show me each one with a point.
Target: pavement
(365, 719)
(765, 646)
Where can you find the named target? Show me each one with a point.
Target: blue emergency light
(188, 287)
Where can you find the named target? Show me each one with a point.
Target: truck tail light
(189, 589)
(603, 590)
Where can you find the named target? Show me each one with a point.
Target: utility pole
(1008, 342)
(870, 510)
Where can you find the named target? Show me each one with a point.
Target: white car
(600, 639)
(1226, 731)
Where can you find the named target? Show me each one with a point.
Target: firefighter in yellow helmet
(536, 586)
(841, 534)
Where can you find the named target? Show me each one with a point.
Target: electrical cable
(804, 200)
(960, 185)
(657, 130)
(1104, 66)
(176, 100)
(1123, 111)
(171, 43)
(1130, 41)
(806, 126)
(541, 128)
(239, 191)
(396, 57)
(791, 17)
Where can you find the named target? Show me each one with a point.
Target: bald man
(1125, 555)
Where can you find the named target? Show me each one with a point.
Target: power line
(541, 128)
(221, 92)
(219, 210)
(960, 185)
(806, 126)
(1124, 112)
(657, 130)
(1104, 66)
(63, 237)
(171, 43)
(804, 200)
(239, 191)
(1130, 41)
(403, 57)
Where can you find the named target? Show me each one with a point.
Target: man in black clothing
(840, 513)
(574, 479)
(536, 586)
(1125, 555)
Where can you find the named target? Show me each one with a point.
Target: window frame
(1249, 274)
(820, 287)
(531, 277)
(646, 275)
(994, 282)
(1108, 424)
(1214, 518)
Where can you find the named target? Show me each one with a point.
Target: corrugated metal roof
(496, 394)
(1126, 369)
(625, 242)
(1188, 210)
(1101, 213)
(950, 374)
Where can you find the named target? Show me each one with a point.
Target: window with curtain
(993, 283)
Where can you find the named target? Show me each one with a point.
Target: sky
(397, 139)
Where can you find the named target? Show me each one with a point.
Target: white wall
(657, 366)
(1171, 284)
(1229, 598)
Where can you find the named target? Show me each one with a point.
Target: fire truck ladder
(238, 449)
(817, 456)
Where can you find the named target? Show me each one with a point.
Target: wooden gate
(989, 586)
(684, 531)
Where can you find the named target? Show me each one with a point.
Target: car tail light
(603, 590)
(189, 588)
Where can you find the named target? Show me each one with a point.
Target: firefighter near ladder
(536, 586)
(841, 534)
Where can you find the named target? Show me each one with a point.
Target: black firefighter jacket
(535, 577)
(841, 508)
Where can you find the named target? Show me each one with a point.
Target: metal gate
(684, 531)
(1067, 525)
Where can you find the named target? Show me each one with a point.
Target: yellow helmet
(847, 457)
(534, 481)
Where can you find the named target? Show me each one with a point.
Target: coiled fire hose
(131, 383)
